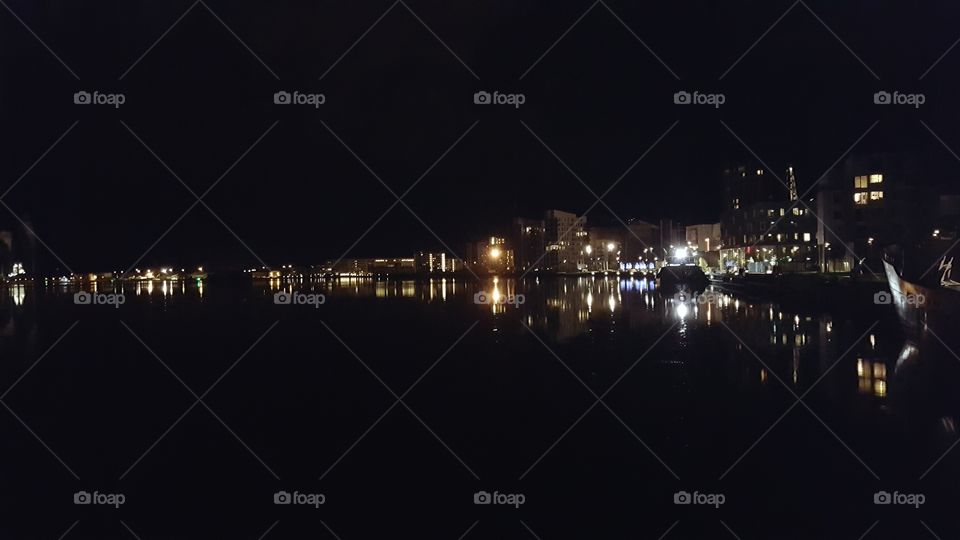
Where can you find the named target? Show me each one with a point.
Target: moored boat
(926, 298)
(682, 272)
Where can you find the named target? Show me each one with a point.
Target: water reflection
(862, 372)
(799, 346)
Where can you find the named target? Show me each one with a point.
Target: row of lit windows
(860, 182)
(864, 197)
(807, 237)
(795, 211)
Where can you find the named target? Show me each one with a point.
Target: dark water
(499, 398)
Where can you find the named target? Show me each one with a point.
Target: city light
(611, 246)
(681, 253)
(588, 249)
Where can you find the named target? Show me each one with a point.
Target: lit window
(876, 179)
(781, 211)
(796, 211)
(860, 198)
(806, 237)
(876, 195)
(860, 182)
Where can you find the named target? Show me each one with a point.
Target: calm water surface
(596, 399)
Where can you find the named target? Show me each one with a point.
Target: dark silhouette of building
(527, 237)
(641, 242)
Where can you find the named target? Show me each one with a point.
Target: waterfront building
(436, 262)
(872, 201)
(564, 240)
(491, 256)
(760, 231)
(371, 267)
(351, 267)
(527, 237)
(705, 237)
(393, 266)
(604, 247)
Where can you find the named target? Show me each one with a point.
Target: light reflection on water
(796, 346)
(565, 309)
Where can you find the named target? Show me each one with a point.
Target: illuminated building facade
(760, 232)
(870, 202)
(436, 263)
(372, 267)
(564, 241)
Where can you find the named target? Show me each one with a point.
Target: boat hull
(923, 310)
(686, 277)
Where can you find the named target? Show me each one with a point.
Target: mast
(792, 183)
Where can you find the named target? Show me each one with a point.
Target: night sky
(400, 99)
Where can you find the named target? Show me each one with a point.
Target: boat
(681, 272)
(923, 291)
